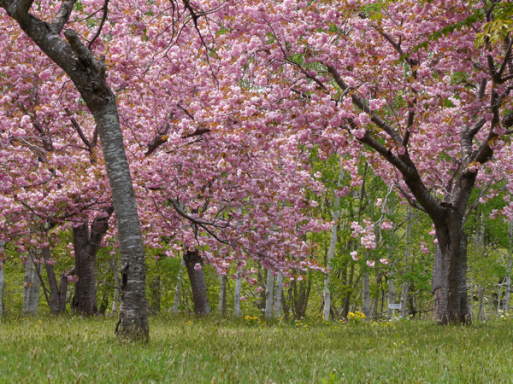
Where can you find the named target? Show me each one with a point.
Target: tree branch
(63, 15)
(359, 102)
(104, 17)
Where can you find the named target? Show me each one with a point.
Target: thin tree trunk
(32, 285)
(2, 259)
(269, 295)
(375, 300)
(176, 303)
(407, 254)
(278, 295)
(197, 279)
(347, 299)
(507, 294)
(156, 293)
(391, 295)
(366, 295)
(481, 315)
(471, 304)
(333, 244)
(58, 291)
(222, 294)
(236, 294)
(115, 302)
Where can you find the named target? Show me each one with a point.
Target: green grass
(184, 350)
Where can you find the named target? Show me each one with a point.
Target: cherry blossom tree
(402, 82)
(44, 27)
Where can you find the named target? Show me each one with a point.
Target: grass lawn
(185, 350)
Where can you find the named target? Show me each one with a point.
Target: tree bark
(156, 294)
(197, 279)
(507, 294)
(366, 295)
(58, 291)
(481, 315)
(471, 304)
(407, 254)
(32, 285)
(391, 295)
(88, 75)
(115, 301)
(2, 271)
(449, 280)
(176, 302)
(269, 295)
(222, 294)
(86, 243)
(278, 295)
(236, 294)
(375, 300)
(333, 244)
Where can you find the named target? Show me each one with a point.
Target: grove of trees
(299, 158)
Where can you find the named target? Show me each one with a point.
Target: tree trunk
(449, 279)
(236, 294)
(278, 295)
(349, 289)
(156, 294)
(375, 300)
(481, 315)
(32, 285)
(57, 298)
(333, 244)
(366, 295)
(471, 304)
(391, 295)
(269, 295)
(86, 244)
(2, 259)
(407, 254)
(222, 294)
(176, 303)
(197, 279)
(301, 297)
(89, 76)
(115, 301)
(507, 294)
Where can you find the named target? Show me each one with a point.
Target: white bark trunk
(507, 295)
(333, 244)
(222, 295)
(407, 254)
(269, 295)
(366, 295)
(481, 315)
(116, 287)
(277, 296)
(471, 304)
(176, 303)
(32, 284)
(391, 295)
(236, 294)
(1, 278)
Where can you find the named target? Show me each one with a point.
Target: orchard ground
(218, 350)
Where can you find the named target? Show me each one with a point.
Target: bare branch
(102, 22)
(79, 129)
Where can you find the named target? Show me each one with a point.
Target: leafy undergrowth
(210, 350)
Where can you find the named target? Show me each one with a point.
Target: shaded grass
(185, 350)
